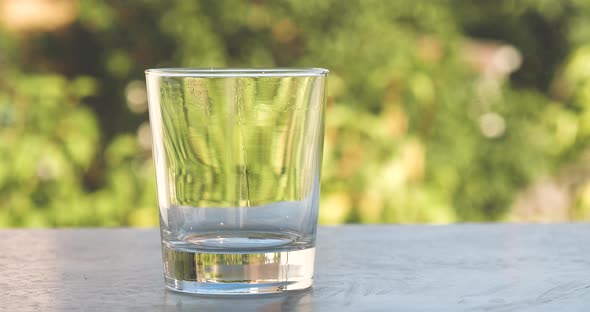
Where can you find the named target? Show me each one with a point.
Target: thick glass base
(238, 273)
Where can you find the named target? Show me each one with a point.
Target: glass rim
(238, 72)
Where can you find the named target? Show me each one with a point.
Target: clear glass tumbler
(238, 160)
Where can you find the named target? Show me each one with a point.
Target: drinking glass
(237, 155)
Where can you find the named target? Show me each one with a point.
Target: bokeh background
(438, 111)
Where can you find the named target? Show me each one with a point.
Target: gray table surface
(491, 267)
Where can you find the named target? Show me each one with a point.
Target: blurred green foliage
(431, 115)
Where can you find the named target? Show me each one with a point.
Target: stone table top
(469, 267)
